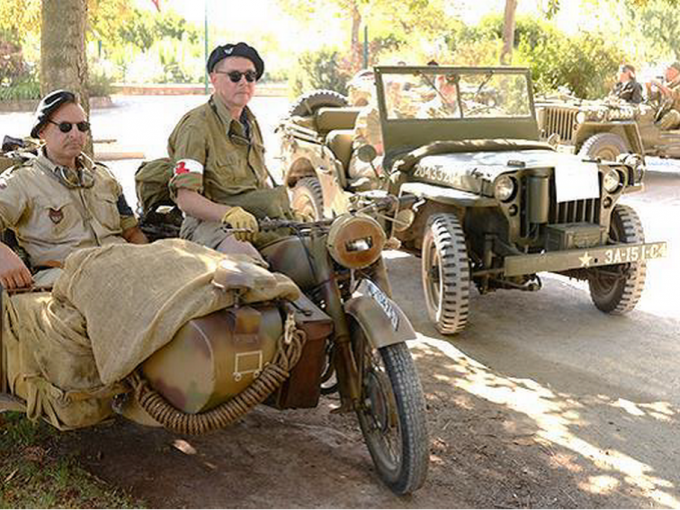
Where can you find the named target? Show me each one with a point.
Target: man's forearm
(134, 235)
(196, 205)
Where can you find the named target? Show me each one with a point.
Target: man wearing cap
(627, 87)
(668, 94)
(220, 180)
(60, 200)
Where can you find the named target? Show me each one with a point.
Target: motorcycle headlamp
(505, 187)
(611, 181)
(355, 241)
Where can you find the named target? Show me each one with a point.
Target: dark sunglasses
(235, 76)
(65, 127)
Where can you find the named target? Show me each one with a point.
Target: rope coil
(288, 352)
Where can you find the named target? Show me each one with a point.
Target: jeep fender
(380, 328)
(627, 130)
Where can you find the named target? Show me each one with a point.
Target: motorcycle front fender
(383, 322)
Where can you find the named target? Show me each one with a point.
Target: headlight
(581, 117)
(611, 181)
(355, 241)
(505, 188)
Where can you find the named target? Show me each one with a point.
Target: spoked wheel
(617, 289)
(446, 273)
(307, 199)
(392, 413)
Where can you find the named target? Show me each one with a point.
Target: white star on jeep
(585, 260)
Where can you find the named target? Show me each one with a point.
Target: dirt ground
(541, 402)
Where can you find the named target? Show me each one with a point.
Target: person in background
(627, 88)
(667, 95)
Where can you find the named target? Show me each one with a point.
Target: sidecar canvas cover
(66, 352)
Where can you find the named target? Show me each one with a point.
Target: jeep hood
(476, 171)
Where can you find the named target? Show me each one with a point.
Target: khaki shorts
(670, 120)
(206, 233)
(212, 234)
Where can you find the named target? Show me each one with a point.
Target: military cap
(675, 65)
(236, 50)
(47, 106)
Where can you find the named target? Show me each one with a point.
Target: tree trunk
(356, 48)
(508, 31)
(63, 63)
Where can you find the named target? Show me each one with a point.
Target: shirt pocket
(56, 218)
(231, 167)
(105, 210)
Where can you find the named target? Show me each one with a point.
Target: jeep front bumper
(517, 265)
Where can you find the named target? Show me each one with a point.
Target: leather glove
(239, 218)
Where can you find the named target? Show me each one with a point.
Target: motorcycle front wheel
(392, 413)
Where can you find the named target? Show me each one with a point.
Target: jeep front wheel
(307, 199)
(617, 289)
(446, 273)
(604, 146)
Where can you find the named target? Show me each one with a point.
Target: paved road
(603, 392)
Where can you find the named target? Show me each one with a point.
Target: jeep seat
(328, 119)
(340, 142)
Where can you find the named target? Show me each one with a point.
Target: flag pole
(205, 39)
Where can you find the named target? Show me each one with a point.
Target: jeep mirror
(366, 153)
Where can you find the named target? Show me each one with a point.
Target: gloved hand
(239, 218)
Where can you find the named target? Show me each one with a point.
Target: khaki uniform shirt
(367, 128)
(675, 90)
(212, 154)
(51, 220)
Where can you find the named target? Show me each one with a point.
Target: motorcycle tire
(392, 413)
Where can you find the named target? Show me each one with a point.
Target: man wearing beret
(668, 94)
(220, 180)
(60, 200)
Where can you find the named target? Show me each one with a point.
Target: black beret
(47, 106)
(236, 50)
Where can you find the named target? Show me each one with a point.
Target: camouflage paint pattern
(215, 357)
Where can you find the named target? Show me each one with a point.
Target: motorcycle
(281, 352)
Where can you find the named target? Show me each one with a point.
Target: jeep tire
(310, 102)
(605, 146)
(446, 273)
(307, 199)
(617, 289)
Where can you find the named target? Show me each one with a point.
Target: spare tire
(310, 102)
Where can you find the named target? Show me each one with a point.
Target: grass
(33, 476)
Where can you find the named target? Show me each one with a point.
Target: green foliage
(322, 69)
(584, 63)
(144, 28)
(98, 85)
(25, 88)
(660, 24)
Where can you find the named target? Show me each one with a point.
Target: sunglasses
(235, 76)
(65, 127)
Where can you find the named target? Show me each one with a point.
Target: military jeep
(606, 128)
(497, 205)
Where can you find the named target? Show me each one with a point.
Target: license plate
(637, 253)
(583, 258)
(384, 302)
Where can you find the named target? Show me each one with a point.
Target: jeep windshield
(433, 92)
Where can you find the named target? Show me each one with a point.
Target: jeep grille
(560, 121)
(575, 211)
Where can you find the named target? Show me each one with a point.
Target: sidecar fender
(383, 322)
